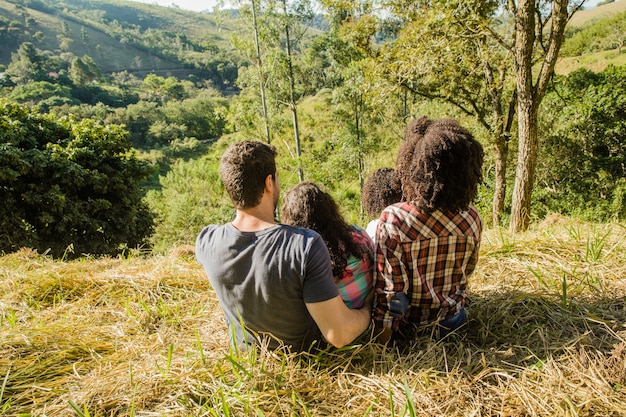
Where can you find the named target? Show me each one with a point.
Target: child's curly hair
(440, 166)
(381, 189)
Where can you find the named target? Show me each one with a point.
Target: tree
(27, 65)
(69, 187)
(539, 33)
(278, 29)
(291, 16)
(84, 36)
(84, 71)
(456, 52)
(350, 41)
(250, 15)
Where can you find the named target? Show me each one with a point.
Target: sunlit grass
(144, 336)
(597, 61)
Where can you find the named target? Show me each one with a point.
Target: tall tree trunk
(292, 100)
(268, 137)
(526, 163)
(499, 195)
(529, 34)
(524, 174)
(358, 104)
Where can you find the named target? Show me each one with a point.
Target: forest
(104, 99)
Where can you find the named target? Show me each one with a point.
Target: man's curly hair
(307, 205)
(440, 166)
(381, 189)
(244, 166)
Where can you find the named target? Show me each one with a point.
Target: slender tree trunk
(268, 137)
(359, 138)
(499, 195)
(528, 34)
(526, 163)
(524, 174)
(292, 100)
(500, 130)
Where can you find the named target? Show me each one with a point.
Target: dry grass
(144, 337)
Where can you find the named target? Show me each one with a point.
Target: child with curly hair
(381, 189)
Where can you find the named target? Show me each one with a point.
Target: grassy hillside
(592, 21)
(144, 336)
(583, 17)
(117, 34)
(597, 61)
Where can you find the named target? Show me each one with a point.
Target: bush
(68, 184)
(583, 154)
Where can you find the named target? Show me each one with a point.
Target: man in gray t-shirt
(274, 282)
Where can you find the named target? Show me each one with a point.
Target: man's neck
(254, 219)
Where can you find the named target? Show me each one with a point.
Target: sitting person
(427, 246)
(274, 282)
(381, 189)
(351, 249)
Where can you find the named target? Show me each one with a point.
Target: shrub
(68, 184)
(583, 154)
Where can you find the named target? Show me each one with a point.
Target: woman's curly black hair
(307, 205)
(440, 166)
(381, 189)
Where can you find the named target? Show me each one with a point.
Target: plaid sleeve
(356, 282)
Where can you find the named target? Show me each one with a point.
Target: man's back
(264, 279)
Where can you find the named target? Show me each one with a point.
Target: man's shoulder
(211, 229)
(298, 231)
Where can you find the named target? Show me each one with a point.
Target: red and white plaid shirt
(429, 257)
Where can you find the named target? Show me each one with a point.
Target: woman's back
(351, 249)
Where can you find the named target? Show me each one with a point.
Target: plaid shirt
(356, 281)
(428, 257)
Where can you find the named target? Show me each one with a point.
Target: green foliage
(204, 116)
(191, 196)
(84, 70)
(42, 93)
(69, 186)
(583, 162)
(153, 124)
(598, 35)
(27, 65)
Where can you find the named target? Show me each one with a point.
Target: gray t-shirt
(264, 279)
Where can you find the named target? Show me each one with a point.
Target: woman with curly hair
(351, 249)
(427, 246)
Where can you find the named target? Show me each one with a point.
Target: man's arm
(339, 324)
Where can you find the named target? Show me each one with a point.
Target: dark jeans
(409, 332)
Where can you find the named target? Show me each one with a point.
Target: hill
(145, 336)
(594, 39)
(117, 34)
(583, 17)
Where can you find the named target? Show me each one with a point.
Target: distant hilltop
(605, 10)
